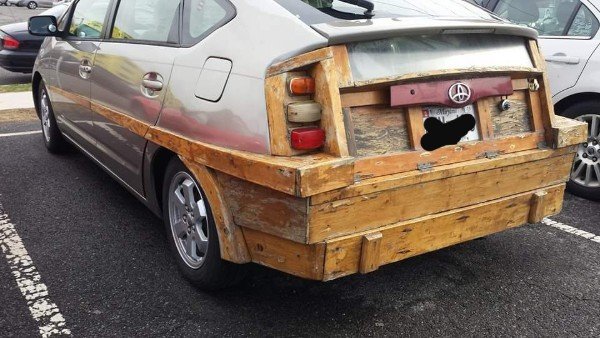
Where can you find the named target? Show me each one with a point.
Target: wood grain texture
(370, 251)
(262, 209)
(306, 261)
(135, 126)
(407, 239)
(566, 132)
(231, 238)
(275, 91)
(375, 166)
(537, 210)
(415, 177)
(516, 120)
(546, 103)
(535, 108)
(300, 61)
(416, 127)
(380, 130)
(352, 215)
(484, 113)
(342, 65)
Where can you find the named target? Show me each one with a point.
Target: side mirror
(43, 25)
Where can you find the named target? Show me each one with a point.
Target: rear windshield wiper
(366, 4)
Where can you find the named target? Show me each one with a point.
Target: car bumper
(17, 61)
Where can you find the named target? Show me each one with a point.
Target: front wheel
(585, 175)
(192, 233)
(53, 138)
(32, 5)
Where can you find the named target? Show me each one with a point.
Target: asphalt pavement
(106, 265)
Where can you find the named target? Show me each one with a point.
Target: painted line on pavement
(50, 321)
(572, 230)
(35, 132)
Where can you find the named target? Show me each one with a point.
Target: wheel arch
(35, 90)
(568, 101)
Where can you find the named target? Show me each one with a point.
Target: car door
(73, 55)
(567, 31)
(131, 72)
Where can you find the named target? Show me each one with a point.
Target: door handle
(563, 58)
(154, 85)
(85, 69)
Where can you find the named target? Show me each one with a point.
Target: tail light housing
(309, 138)
(8, 42)
(302, 85)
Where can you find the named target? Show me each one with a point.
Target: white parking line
(572, 230)
(43, 310)
(22, 133)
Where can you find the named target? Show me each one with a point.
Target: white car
(569, 40)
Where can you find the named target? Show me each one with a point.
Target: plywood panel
(380, 130)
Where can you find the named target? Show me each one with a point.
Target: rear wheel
(53, 138)
(192, 234)
(585, 175)
(32, 5)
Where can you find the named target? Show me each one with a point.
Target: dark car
(18, 48)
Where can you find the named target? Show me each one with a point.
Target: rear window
(323, 11)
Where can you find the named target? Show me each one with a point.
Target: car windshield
(322, 11)
(56, 11)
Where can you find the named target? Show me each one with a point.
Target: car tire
(32, 5)
(53, 138)
(587, 161)
(189, 223)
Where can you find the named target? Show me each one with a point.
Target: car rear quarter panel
(261, 34)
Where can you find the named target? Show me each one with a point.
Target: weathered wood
(329, 175)
(328, 95)
(380, 130)
(134, 125)
(370, 251)
(374, 166)
(300, 61)
(342, 65)
(566, 132)
(231, 238)
(355, 214)
(546, 103)
(416, 127)
(484, 112)
(515, 120)
(407, 239)
(301, 260)
(414, 177)
(535, 107)
(262, 209)
(538, 202)
(350, 137)
(275, 91)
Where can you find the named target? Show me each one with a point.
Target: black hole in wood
(441, 134)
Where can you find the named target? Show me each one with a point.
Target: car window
(585, 23)
(202, 17)
(147, 20)
(88, 19)
(549, 17)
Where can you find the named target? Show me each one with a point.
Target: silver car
(33, 4)
(318, 137)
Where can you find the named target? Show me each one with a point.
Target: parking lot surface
(104, 260)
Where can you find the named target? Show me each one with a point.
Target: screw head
(595, 142)
(595, 159)
(585, 145)
(585, 155)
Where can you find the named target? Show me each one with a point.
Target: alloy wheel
(189, 220)
(586, 169)
(32, 5)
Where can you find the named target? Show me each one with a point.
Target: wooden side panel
(265, 210)
(516, 120)
(301, 260)
(380, 130)
(231, 238)
(404, 240)
(275, 91)
(354, 215)
(566, 132)
(330, 176)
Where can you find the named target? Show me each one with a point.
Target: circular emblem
(459, 93)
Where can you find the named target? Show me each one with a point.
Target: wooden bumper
(366, 252)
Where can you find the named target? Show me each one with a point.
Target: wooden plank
(350, 137)
(538, 201)
(486, 127)
(128, 122)
(325, 176)
(535, 107)
(342, 65)
(380, 130)
(566, 132)
(416, 127)
(516, 120)
(301, 260)
(366, 98)
(391, 164)
(328, 95)
(547, 105)
(353, 215)
(300, 61)
(231, 239)
(408, 239)
(370, 251)
(262, 209)
(275, 91)
(520, 84)
(383, 183)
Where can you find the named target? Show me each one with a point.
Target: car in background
(33, 4)
(18, 48)
(569, 40)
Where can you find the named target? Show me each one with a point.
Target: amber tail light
(309, 138)
(302, 86)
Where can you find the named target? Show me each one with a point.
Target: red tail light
(9, 42)
(310, 138)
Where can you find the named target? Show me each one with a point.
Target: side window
(548, 17)
(585, 23)
(88, 19)
(147, 20)
(202, 17)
